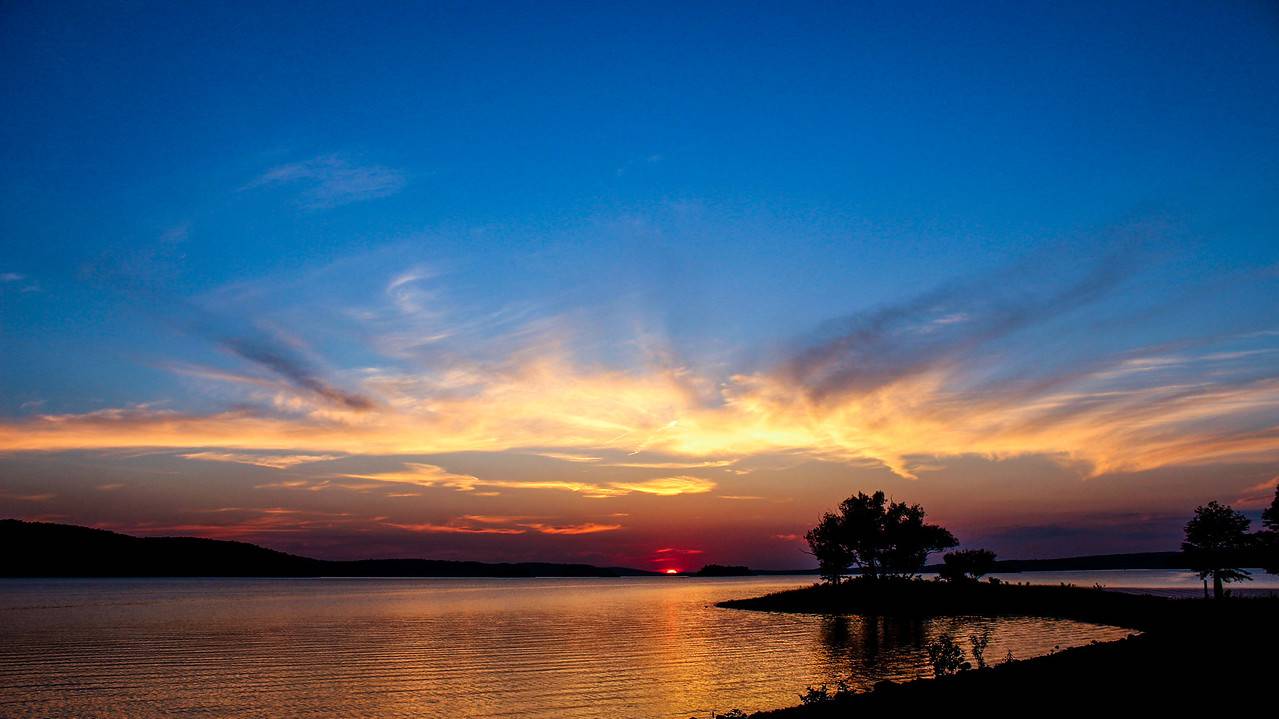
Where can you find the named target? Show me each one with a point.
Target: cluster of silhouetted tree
(882, 538)
(967, 565)
(1217, 537)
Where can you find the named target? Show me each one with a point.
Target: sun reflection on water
(638, 647)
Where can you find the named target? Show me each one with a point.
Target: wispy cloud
(176, 234)
(332, 181)
(270, 354)
(480, 524)
(429, 528)
(638, 162)
(873, 349)
(429, 475)
(23, 283)
(1259, 495)
(37, 497)
(602, 462)
(274, 461)
(667, 486)
(243, 522)
(574, 529)
(991, 367)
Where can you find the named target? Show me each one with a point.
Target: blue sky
(707, 190)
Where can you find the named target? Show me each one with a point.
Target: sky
(650, 285)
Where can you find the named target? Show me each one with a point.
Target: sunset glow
(395, 313)
(389, 359)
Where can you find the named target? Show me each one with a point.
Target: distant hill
(1138, 560)
(1134, 560)
(39, 549)
(720, 570)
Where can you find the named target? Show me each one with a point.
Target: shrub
(979, 643)
(815, 695)
(946, 656)
(967, 565)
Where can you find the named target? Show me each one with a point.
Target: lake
(633, 647)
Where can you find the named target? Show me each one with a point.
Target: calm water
(645, 647)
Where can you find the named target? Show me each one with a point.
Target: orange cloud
(1112, 418)
(276, 461)
(667, 486)
(587, 528)
(428, 528)
(429, 475)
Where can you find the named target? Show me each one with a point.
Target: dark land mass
(722, 570)
(38, 549)
(1189, 654)
(1136, 560)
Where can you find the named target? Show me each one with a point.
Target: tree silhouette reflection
(870, 648)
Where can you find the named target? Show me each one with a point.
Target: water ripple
(650, 647)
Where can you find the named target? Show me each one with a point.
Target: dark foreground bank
(1185, 655)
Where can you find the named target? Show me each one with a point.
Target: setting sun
(672, 571)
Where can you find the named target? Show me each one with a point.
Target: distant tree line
(723, 570)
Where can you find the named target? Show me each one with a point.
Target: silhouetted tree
(834, 557)
(967, 565)
(883, 538)
(909, 539)
(1269, 536)
(1214, 538)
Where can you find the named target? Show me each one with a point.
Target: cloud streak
(429, 475)
(971, 369)
(878, 348)
(273, 461)
(333, 181)
(277, 358)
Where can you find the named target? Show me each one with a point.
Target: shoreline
(1183, 653)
